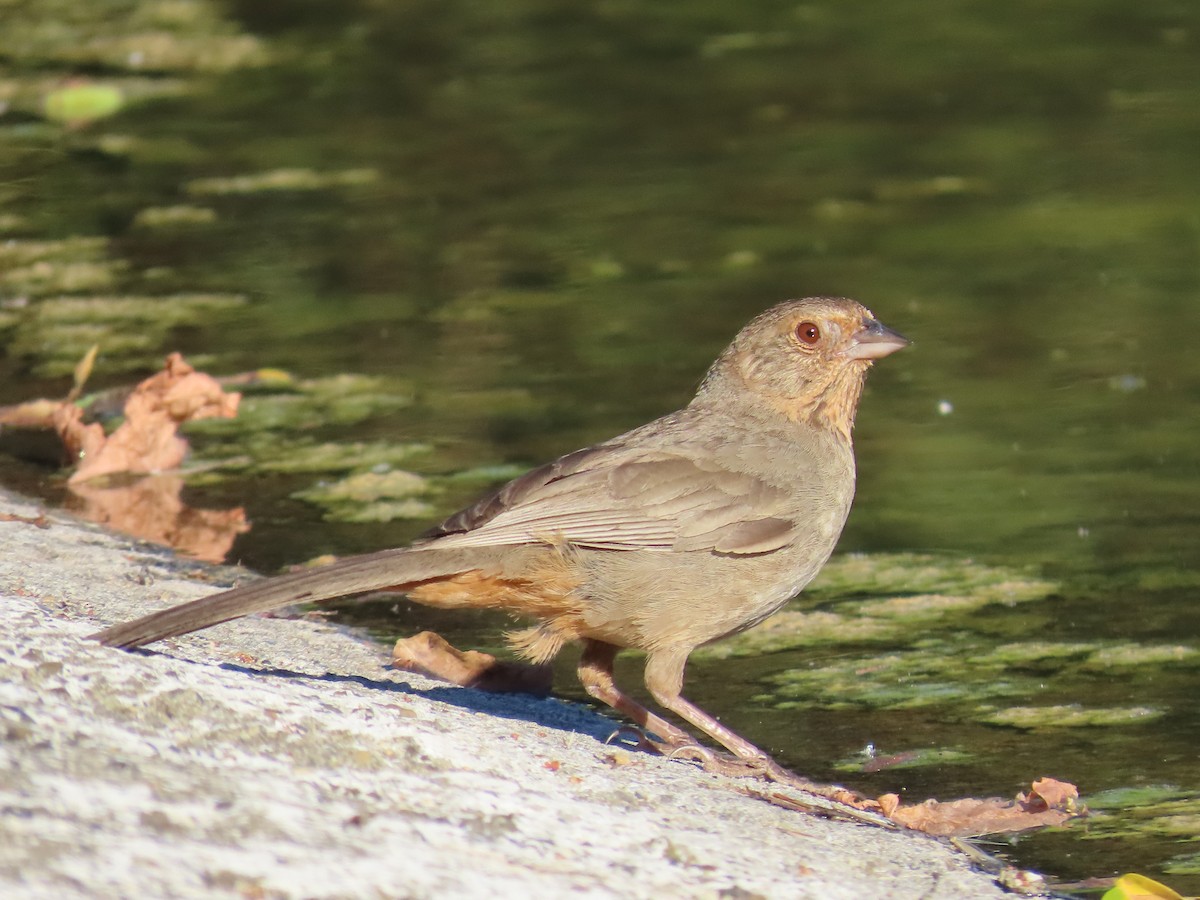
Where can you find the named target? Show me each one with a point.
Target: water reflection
(151, 509)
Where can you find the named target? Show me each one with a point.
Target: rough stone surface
(281, 758)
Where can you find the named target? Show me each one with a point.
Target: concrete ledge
(282, 759)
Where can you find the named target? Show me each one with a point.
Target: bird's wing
(615, 497)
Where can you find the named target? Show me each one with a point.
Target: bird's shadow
(546, 712)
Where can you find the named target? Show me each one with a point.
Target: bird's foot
(847, 804)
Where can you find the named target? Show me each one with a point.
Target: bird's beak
(874, 341)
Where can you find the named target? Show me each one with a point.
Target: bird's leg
(664, 679)
(596, 674)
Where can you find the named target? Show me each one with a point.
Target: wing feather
(613, 498)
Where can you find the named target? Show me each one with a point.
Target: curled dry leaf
(148, 439)
(971, 817)
(80, 441)
(430, 654)
(1050, 793)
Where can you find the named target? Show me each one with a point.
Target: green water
(535, 224)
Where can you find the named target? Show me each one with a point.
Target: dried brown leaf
(148, 439)
(1051, 793)
(430, 654)
(30, 414)
(971, 817)
(79, 440)
(889, 803)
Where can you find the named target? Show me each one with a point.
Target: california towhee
(693, 527)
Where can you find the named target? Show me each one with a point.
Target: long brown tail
(355, 575)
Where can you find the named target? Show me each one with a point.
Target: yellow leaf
(1139, 887)
(83, 371)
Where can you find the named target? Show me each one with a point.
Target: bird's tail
(400, 568)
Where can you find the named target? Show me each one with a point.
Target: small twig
(39, 520)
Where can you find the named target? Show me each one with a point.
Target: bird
(673, 535)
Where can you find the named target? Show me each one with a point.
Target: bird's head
(806, 359)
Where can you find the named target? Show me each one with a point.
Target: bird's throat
(829, 405)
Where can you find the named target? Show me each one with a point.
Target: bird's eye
(808, 333)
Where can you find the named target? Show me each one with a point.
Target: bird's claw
(640, 739)
(846, 804)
